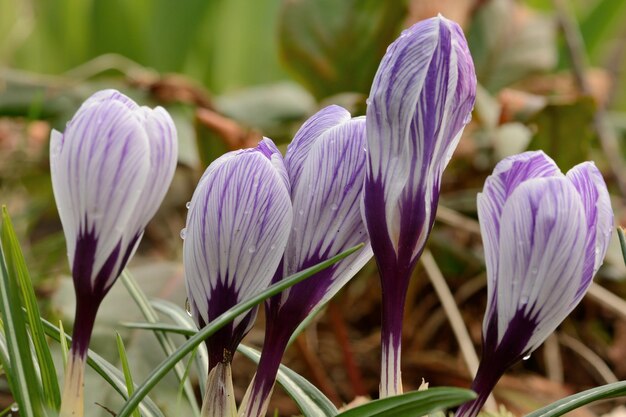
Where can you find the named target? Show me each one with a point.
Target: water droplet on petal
(301, 212)
(188, 205)
(525, 358)
(368, 101)
(597, 250)
(334, 207)
(15, 407)
(523, 300)
(183, 233)
(188, 307)
(272, 247)
(252, 249)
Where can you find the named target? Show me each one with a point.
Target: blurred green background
(230, 71)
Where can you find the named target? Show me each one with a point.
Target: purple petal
(327, 218)
(163, 139)
(421, 99)
(237, 227)
(599, 214)
(311, 130)
(540, 259)
(99, 169)
(506, 177)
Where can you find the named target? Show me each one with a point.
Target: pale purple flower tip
(110, 171)
(237, 228)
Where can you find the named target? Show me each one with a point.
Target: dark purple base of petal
(85, 316)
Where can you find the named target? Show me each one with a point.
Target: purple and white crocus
(237, 227)
(326, 167)
(545, 235)
(421, 99)
(110, 171)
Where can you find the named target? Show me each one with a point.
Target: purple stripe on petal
(237, 227)
(599, 214)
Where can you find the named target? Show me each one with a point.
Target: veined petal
(237, 228)
(599, 215)
(420, 101)
(163, 140)
(307, 135)
(99, 167)
(327, 218)
(507, 176)
(540, 257)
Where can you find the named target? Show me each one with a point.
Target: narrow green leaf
(160, 327)
(164, 340)
(181, 317)
(16, 266)
(567, 404)
(416, 403)
(107, 371)
(160, 371)
(622, 241)
(26, 384)
(128, 377)
(310, 400)
(65, 350)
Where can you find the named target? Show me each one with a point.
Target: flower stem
(484, 382)
(394, 294)
(257, 397)
(219, 399)
(72, 402)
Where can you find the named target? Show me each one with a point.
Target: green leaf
(310, 400)
(128, 377)
(107, 371)
(416, 403)
(599, 26)
(26, 384)
(166, 343)
(564, 131)
(17, 267)
(622, 241)
(160, 371)
(336, 46)
(567, 404)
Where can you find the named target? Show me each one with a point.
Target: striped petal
(327, 219)
(421, 99)
(541, 255)
(311, 130)
(237, 227)
(599, 214)
(99, 168)
(506, 177)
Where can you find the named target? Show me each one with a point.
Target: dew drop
(597, 250)
(334, 207)
(272, 247)
(301, 212)
(183, 233)
(368, 101)
(188, 307)
(252, 249)
(15, 407)
(188, 205)
(524, 300)
(525, 358)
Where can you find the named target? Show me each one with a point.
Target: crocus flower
(237, 228)
(545, 235)
(326, 166)
(110, 171)
(420, 101)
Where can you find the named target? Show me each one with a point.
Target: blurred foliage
(231, 71)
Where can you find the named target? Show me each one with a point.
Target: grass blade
(164, 340)
(160, 371)
(130, 387)
(415, 403)
(567, 404)
(107, 371)
(16, 266)
(26, 385)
